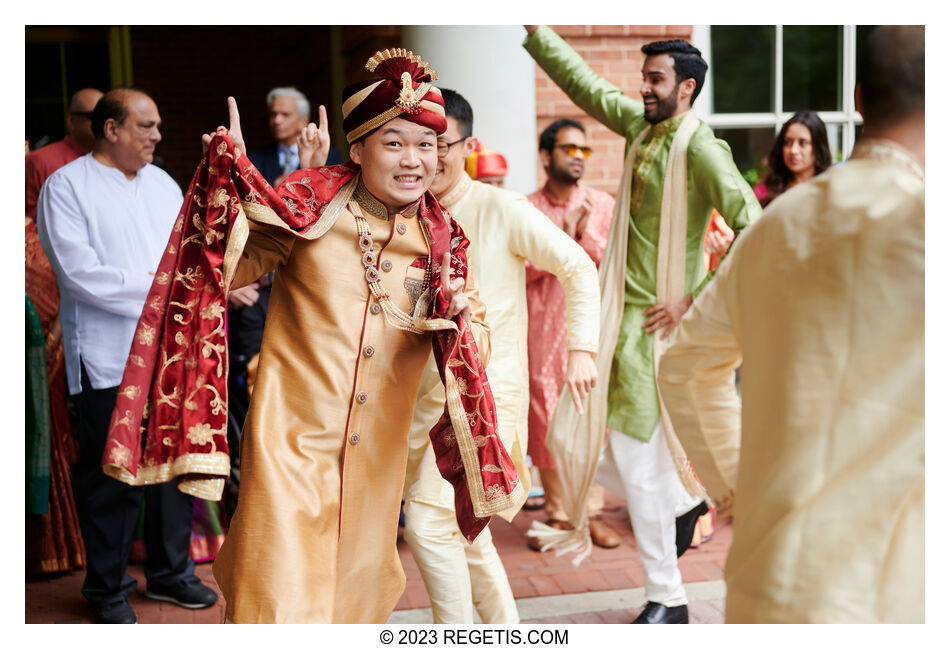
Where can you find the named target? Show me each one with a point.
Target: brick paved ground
(533, 577)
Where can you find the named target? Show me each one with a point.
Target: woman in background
(800, 152)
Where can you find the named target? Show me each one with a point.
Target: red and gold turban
(485, 163)
(404, 90)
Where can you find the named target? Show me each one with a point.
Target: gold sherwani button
(355, 438)
(401, 228)
(368, 351)
(387, 265)
(375, 308)
(361, 397)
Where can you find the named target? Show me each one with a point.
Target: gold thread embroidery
(120, 454)
(145, 335)
(201, 434)
(399, 52)
(210, 464)
(131, 392)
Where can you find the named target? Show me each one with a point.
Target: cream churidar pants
(456, 574)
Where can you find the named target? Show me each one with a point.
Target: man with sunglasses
(40, 164)
(505, 230)
(584, 214)
(675, 173)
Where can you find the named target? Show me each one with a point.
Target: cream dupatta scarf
(576, 441)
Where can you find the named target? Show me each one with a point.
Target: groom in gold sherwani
(324, 446)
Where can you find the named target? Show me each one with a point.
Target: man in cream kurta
(639, 464)
(828, 491)
(505, 230)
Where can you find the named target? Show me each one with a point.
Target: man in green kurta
(667, 147)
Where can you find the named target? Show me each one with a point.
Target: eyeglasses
(572, 149)
(79, 113)
(443, 147)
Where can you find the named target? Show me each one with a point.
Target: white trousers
(458, 575)
(645, 475)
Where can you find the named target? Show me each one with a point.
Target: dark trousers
(109, 511)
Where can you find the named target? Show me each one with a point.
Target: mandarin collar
(669, 125)
(454, 195)
(371, 205)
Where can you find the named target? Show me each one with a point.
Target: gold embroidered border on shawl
(193, 463)
(484, 503)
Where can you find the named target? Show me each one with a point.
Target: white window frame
(846, 119)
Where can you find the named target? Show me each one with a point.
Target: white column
(488, 66)
(702, 40)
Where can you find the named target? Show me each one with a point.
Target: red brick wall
(613, 51)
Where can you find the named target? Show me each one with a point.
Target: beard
(565, 174)
(665, 107)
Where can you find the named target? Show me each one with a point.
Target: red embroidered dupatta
(170, 418)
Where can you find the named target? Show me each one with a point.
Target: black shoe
(685, 524)
(118, 613)
(189, 596)
(655, 613)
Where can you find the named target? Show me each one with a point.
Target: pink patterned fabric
(547, 313)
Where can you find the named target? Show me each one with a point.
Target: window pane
(750, 149)
(811, 67)
(743, 63)
(835, 141)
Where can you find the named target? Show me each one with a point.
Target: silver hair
(303, 106)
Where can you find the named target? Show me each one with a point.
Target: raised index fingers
(234, 115)
(322, 118)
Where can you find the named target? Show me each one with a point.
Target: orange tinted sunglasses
(572, 149)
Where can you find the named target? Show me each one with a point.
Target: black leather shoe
(685, 524)
(189, 596)
(118, 613)
(654, 613)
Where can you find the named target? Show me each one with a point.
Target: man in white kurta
(104, 220)
(505, 230)
(822, 301)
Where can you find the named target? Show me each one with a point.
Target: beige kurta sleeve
(267, 247)
(481, 329)
(697, 383)
(534, 237)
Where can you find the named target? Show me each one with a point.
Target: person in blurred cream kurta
(505, 230)
(828, 493)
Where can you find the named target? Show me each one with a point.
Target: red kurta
(40, 164)
(547, 313)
